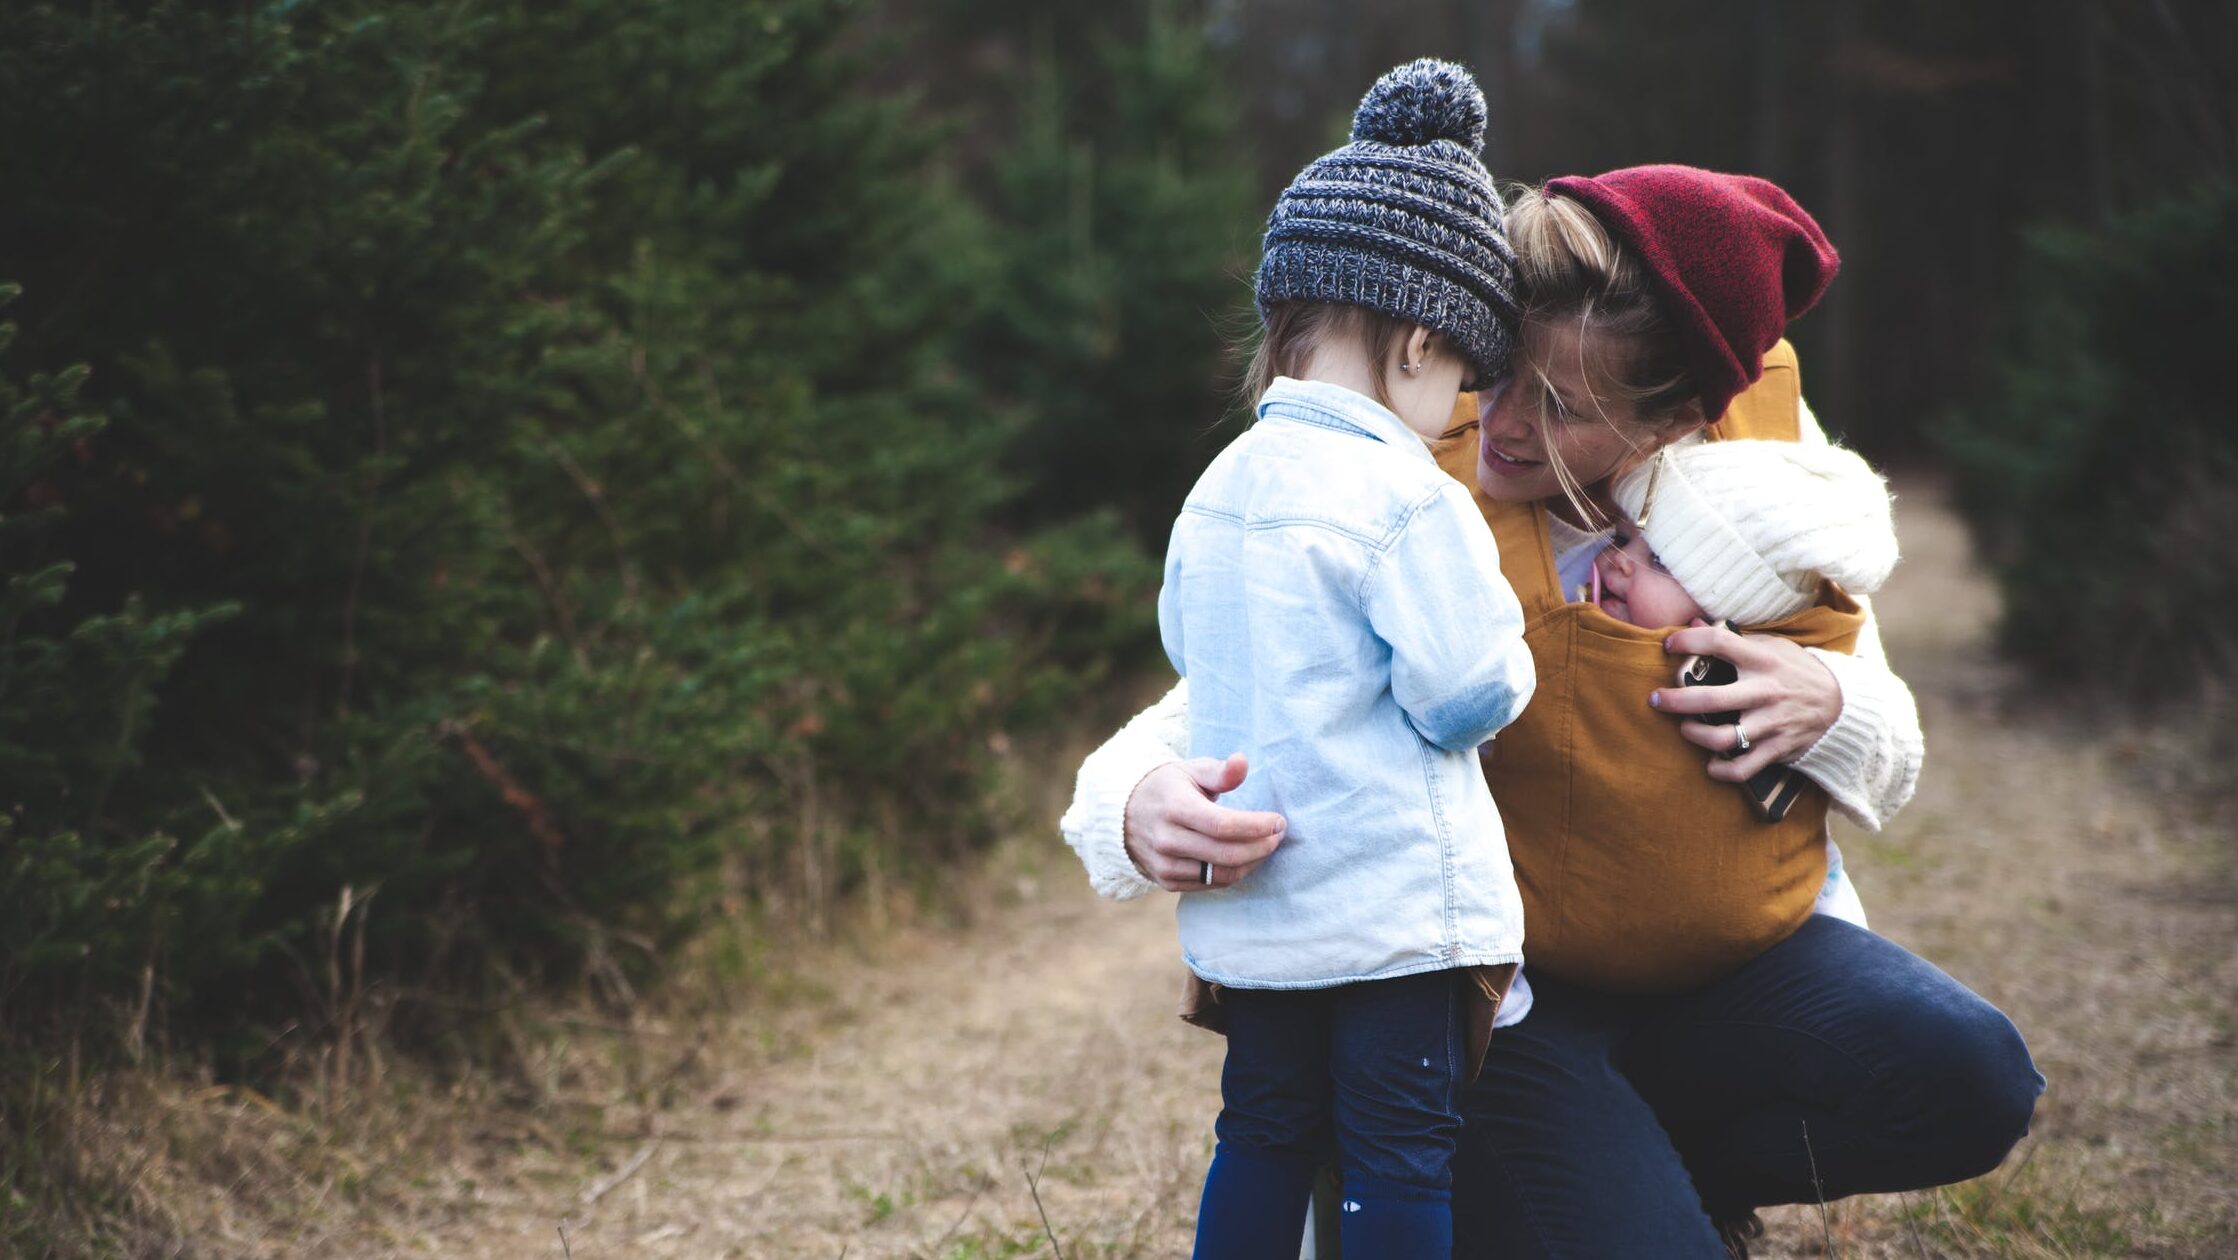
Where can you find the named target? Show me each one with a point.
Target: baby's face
(1636, 588)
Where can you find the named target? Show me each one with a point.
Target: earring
(1411, 369)
(1654, 474)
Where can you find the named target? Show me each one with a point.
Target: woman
(1836, 1063)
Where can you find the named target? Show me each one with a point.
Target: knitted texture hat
(1732, 256)
(1749, 528)
(1404, 219)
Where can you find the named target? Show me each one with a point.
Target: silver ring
(1740, 737)
(1204, 873)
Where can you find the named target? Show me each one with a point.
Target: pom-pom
(1423, 101)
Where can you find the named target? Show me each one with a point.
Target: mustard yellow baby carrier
(1639, 872)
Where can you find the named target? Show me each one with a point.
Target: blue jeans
(1837, 1063)
(1371, 1068)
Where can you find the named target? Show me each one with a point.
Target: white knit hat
(1749, 528)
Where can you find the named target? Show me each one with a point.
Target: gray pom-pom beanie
(1404, 219)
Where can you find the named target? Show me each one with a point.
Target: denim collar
(1344, 410)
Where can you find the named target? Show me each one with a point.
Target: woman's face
(1593, 438)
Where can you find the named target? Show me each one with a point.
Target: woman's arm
(1143, 818)
(1869, 760)
(1848, 722)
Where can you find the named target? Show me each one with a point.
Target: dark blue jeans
(1372, 1069)
(1838, 1063)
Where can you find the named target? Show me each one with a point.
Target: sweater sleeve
(1094, 824)
(1869, 760)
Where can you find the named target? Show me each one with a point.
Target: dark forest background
(1925, 137)
(489, 489)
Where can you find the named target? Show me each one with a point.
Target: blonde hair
(1294, 331)
(1575, 277)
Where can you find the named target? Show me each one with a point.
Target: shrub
(2097, 470)
(521, 473)
(1129, 231)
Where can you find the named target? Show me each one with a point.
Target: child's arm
(1459, 666)
(1169, 611)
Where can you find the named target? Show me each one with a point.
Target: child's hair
(1575, 276)
(1294, 331)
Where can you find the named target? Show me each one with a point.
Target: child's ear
(1416, 349)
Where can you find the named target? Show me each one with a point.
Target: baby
(1742, 531)
(1749, 533)
(1698, 877)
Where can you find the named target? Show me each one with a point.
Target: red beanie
(1733, 257)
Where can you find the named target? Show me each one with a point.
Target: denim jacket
(1336, 604)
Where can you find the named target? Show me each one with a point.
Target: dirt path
(909, 1112)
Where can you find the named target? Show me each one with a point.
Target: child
(1336, 604)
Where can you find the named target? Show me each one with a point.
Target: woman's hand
(1786, 698)
(1173, 827)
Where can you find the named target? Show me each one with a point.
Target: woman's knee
(1984, 1091)
(1954, 1080)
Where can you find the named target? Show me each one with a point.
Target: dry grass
(1010, 1080)
(2039, 865)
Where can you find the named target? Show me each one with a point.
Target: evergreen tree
(547, 414)
(2097, 468)
(1123, 203)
